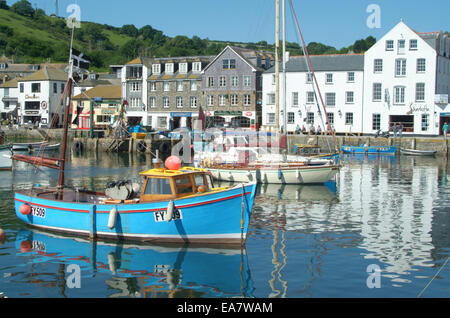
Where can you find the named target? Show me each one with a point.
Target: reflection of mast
(276, 273)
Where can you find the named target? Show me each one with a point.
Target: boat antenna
(311, 71)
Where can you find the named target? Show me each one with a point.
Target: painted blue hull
(214, 217)
(369, 149)
(212, 272)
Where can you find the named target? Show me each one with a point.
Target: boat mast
(277, 65)
(283, 56)
(311, 71)
(66, 102)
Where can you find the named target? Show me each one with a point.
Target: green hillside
(33, 37)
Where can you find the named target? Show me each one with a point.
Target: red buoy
(25, 209)
(173, 163)
(25, 246)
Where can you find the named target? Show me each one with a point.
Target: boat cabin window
(158, 186)
(184, 185)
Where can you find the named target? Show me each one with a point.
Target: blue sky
(333, 22)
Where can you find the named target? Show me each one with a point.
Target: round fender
(141, 146)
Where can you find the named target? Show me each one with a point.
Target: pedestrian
(303, 129)
(394, 129)
(445, 129)
(297, 130)
(400, 129)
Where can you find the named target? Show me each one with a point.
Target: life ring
(141, 146)
(78, 146)
(164, 147)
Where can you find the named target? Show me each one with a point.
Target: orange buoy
(173, 163)
(366, 149)
(25, 209)
(378, 149)
(25, 246)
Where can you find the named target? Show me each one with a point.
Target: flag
(80, 60)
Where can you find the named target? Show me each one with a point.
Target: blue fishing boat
(174, 205)
(153, 270)
(369, 149)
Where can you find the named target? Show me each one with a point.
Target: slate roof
(104, 91)
(322, 63)
(46, 74)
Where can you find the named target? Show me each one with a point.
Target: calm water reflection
(304, 241)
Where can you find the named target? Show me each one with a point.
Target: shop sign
(228, 113)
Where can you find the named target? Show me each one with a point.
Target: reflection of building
(103, 100)
(39, 96)
(232, 87)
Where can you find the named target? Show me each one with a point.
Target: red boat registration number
(38, 211)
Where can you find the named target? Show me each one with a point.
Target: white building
(403, 78)
(134, 89)
(39, 96)
(404, 73)
(8, 99)
(340, 81)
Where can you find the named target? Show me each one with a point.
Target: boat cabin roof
(162, 172)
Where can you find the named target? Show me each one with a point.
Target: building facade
(407, 81)
(102, 101)
(8, 99)
(39, 97)
(340, 82)
(175, 91)
(134, 76)
(232, 87)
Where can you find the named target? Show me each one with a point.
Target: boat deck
(67, 195)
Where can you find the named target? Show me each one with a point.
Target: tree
(3, 5)
(23, 7)
(130, 30)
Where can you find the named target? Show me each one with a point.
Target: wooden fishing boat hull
(214, 217)
(5, 157)
(414, 152)
(291, 175)
(369, 149)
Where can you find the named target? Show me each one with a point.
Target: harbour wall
(153, 143)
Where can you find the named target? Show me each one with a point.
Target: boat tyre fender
(141, 146)
(164, 147)
(78, 146)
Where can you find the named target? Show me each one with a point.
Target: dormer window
(34, 67)
(169, 68)
(156, 68)
(2, 65)
(183, 67)
(196, 67)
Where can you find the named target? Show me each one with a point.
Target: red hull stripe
(135, 211)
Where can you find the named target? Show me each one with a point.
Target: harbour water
(380, 230)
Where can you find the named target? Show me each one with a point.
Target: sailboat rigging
(311, 71)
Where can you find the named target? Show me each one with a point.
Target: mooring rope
(435, 275)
